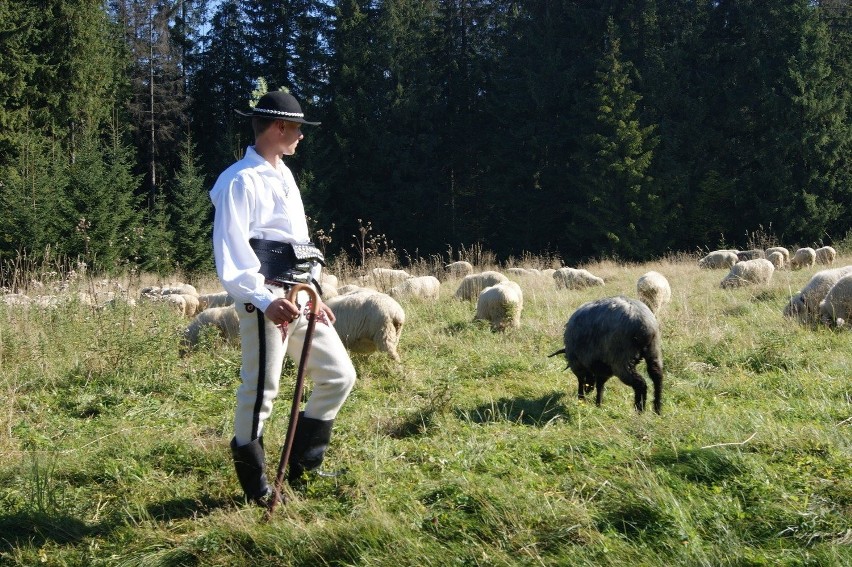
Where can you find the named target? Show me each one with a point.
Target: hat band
(293, 114)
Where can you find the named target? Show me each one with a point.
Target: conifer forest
(615, 129)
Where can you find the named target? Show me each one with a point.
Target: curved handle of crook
(294, 291)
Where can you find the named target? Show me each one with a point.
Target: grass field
(472, 451)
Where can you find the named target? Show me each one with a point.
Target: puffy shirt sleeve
(233, 197)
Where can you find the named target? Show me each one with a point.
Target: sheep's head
(796, 307)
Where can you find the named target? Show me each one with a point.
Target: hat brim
(276, 117)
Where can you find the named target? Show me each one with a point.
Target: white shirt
(253, 199)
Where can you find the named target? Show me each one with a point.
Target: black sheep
(609, 337)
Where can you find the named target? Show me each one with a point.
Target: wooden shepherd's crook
(297, 395)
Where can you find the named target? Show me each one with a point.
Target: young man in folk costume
(261, 242)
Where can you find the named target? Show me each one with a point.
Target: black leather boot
(250, 463)
(309, 445)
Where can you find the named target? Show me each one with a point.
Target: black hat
(278, 104)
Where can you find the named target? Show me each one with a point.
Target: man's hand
(281, 311)
(323, 308)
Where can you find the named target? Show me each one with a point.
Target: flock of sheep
(602, 338)
(826, 298)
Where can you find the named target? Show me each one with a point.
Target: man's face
(291, 133)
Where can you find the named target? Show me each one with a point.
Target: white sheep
(384, 278)
(575, 278)
(501, 305)
(654, 290)
(186, 304)
(825, 255)
(753, 254)
(368, 321)
(459, 269)
(352, 288)
(804, 305)
(749, 272)
(472, 284)
(777, 259)
(781, 250)
(520, 272)
(836, 308)
(803, 258)
(421, 287)
(180, 289)
(218, 299)
(718, 259)
(328, 279)
(225, 319)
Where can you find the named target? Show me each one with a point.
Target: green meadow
(473, 450)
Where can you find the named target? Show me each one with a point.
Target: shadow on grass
(182, 508)
(34, 529)
(703, 466)
(536, 412)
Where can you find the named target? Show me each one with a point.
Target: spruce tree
(618, 206)
(32, 191)
(191, 216)
(103, 223)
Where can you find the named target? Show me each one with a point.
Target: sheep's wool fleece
(501, 305)
(803, 258)
(757, 271)
(473, 284)
(805, 304)
(422, 287)
(368, 321)
(654, 290)
(575, 278)
(223, 318)
(718, 259)
(837, 305)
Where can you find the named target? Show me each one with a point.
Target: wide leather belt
(283, 263)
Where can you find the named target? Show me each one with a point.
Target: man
(261, 242)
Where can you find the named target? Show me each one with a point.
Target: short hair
(261, 123)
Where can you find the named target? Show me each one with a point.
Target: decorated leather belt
(283, 263)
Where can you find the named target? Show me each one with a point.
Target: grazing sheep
(654, 290)
(352, 288)
(384, 278)
(836, 308)
(219, 299)
(804, 305)
(803, 258)
(459, 269)
(749, 272)
(777, 259)
(179, 289)
(501, 305)
(224, 318)
(522, 272)
(609, 337)
(328, 279)
(574, 278)
(472, 284)
(548, 272)
(754, 254)
(825, 255)
(718, 259)
(421, 287)
(780, 249)
(368, 321)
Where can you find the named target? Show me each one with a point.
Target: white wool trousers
(263, 350)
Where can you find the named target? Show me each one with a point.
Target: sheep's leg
(632, 378)
(599, 385)
(655, 371)
(585, 383)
